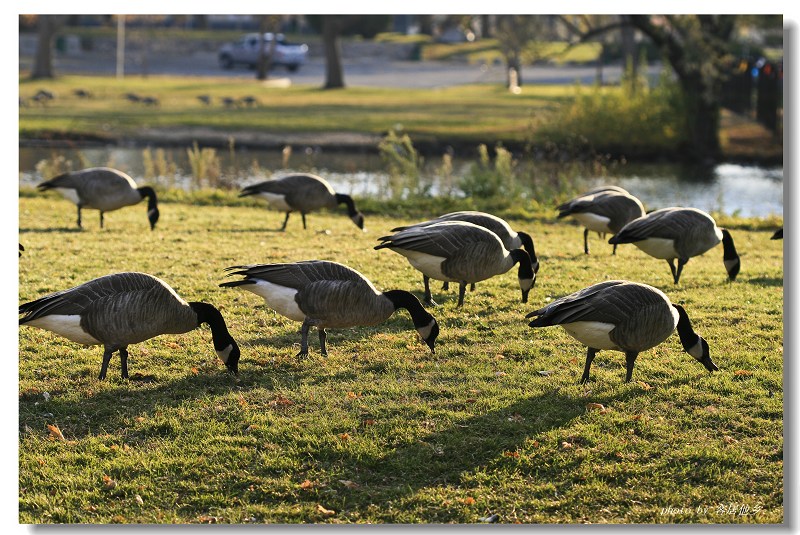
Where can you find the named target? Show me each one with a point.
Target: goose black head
(358, 219)
(729, 256)
(428, 333)
(693, 343)
(230, 357)
(152, 216)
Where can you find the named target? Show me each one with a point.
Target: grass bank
(382, 431)
(461, 117)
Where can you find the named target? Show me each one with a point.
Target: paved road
(374, 72)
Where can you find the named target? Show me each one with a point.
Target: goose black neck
(341, 198)
(527, 244)
(150, 194)
(219, 331)
(525, 265)
(728, 249)
(684, 328)
(407, 300)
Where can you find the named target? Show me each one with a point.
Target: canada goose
(328, 294)
(778, 234)
(82, 93)
(104, 189)
(205, 99)
(133, 97)
(150, 101)
(249, 101)
(681, 233)
(622, 316)
(302, 192)
(604, 209)
(510, 238)
(126, 308)
(460, 252)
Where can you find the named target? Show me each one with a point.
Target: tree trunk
(702, 120)
(334, 74)
(48, 26)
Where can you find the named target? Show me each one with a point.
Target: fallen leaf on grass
(109, 483)
(55, 433)
(469, 500)
(325, 512)
(743, 373)
(729, 439)
(644, 385)
(307, 485)
(545, 372)
(511, 454)
(344, 436)
(205, 519)
(566, 445)
(139, 499)
(349, 484)
(597, 406)
(353, 395)
(369, 421)
(711, 408)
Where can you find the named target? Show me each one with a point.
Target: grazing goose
(510, 238)
(622, 316)
(604, 209)
(328, 294)
(778, 234)
(126, 308)
(302, 192)
(104, 189)
(681, 233)
(460, 252)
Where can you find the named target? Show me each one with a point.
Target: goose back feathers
(622, 316)
(304, 193)
(328, 294)
(103, 189)
(122, 309)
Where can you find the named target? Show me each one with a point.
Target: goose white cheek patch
(225, 353)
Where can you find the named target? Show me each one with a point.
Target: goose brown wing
(440, 239)
(615, 302)
(299, 275)
(80, 299)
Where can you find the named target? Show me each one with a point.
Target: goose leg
(79, 217)
(123, 358)
(428, 299)
(671, 263)
(303, 214)
(107, 352)
(615, 249)
(586, 240)
(101, 219)
(304, 339)
(285, 221)
(462, 289)
(590, 353)
(472, 287)
(630, 360)
(322, 337)
(681, 263)
(445, 286)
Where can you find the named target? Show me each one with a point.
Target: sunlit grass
(382, 431)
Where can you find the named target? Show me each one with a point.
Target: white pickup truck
(245, 51)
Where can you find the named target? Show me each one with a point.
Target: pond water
(749, 191)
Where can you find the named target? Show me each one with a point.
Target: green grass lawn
(383, 431)
(466, 113)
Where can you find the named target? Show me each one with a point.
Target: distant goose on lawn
(681, 233)
(460, 252)
(602, 210)
(325, 294)
(104, 189)
(126, 308)
(622, 316)
(304, 193)
(510, 238)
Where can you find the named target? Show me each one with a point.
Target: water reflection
(749, 191)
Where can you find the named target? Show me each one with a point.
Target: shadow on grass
(766, 281)
(50, 230)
